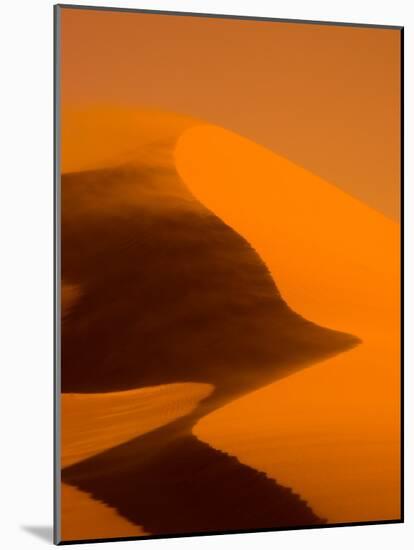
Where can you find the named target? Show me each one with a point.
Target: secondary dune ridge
(92, 423)
(183, 299)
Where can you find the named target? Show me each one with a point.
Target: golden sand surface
(86, 518)
(330, 432)
(92, 423)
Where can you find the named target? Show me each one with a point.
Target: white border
(26, 229)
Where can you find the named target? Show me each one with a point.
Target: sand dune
(92, 423)
(335, 260)
(171, 483)
(69, 294)
(331, 432)
(169, 294)
(106, 136)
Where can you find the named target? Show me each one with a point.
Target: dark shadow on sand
(169, 293)
(170, 482)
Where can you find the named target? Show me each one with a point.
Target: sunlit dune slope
(92, 423)
(330, 432)
(85, 518)
(334, 259)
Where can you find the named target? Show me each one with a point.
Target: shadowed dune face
(69, 296)
(168, 292)
(159, 291)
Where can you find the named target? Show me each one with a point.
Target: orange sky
(326, 97)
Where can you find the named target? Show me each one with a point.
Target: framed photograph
(228, 213)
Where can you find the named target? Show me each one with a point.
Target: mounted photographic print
(228, 274)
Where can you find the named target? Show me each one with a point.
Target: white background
(26, 283)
